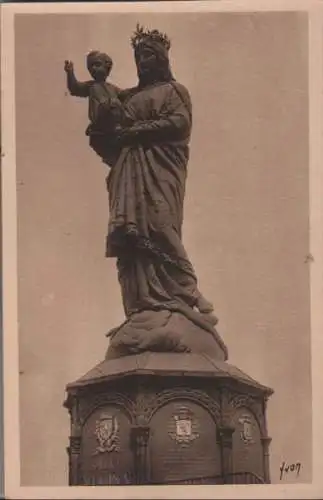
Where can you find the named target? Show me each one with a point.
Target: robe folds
(146, 186)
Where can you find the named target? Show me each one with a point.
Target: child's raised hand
(68, 66)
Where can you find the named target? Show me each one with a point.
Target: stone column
(140, 437)
(74, 455)
(265, 446)
(225, 439)
(74, 447)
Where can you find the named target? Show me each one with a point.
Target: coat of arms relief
(106, 431)
(246, 430)
(185, 426)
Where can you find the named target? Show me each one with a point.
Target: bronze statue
(146, 145)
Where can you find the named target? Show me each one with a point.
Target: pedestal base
(167, 331)
(167, 418)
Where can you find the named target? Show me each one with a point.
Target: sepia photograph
(159, 249)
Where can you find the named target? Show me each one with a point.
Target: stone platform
(167, 331)
(167, 418)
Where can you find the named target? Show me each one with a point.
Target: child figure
(105, 110)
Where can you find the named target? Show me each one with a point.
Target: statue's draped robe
(146, 187)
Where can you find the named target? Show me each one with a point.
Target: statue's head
(151, 55)
(99, 65)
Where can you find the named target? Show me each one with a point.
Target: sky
(246, 225)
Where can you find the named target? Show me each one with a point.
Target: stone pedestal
(167, 418)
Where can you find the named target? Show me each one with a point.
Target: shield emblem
(184, 427)
(246, 432)
(106, 433)
(105, 428)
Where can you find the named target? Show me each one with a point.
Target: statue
(163, 386)
(143, 135)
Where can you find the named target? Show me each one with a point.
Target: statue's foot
(211, 318)
(203, 305)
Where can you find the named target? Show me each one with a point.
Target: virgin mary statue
(148, 156)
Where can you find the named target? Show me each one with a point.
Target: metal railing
(128, 479)
(233, 478)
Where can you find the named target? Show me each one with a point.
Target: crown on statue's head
(141, 35)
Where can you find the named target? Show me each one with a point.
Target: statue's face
(146, 61)
(99, 68)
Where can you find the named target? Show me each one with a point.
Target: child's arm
(76, 88)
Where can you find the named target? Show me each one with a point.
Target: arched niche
(246, 443)
(105, 456)
(183, 443)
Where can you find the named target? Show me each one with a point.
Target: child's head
(99, 65)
